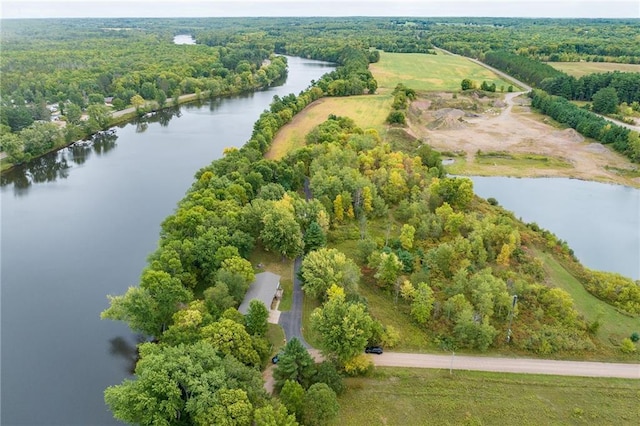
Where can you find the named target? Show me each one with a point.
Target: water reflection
(56, 165)
(127, 350)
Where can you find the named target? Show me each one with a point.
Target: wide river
(78, 225)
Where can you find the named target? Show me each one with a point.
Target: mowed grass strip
(368, 111)
(403, 396)
(424, 72)
(578, 69)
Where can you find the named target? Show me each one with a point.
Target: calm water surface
(78, 225)
(600, 222)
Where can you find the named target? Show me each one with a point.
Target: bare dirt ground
(509, 125)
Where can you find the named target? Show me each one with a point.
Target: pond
(600, 222)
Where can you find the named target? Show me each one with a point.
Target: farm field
(578, 69)
(423, 72)
(368, 111)
(402, 396)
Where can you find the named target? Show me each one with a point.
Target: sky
(218, 8)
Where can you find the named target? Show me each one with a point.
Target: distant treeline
(556, 82)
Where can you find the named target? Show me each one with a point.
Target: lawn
(578, 69)
(273, 262)
(424, 72)
(403, 396)
(368, 111)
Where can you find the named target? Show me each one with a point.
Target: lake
(78, 225)
(600, 222)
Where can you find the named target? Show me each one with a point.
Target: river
(78, 225)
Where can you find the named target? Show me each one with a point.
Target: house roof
(263, 289)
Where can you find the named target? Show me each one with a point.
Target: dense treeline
(523, 68)
(74, 77)
(542, 39)
(587, 123)
(625, 84)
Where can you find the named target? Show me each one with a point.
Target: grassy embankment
(402, 396)
(578, 69)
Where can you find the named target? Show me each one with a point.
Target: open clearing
(368, 111)
(424, 72)
(403, 396)
(513, 141)
(578, 69)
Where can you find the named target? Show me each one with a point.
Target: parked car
(373, 350)
(275, 359)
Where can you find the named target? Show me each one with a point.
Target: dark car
(373, 350)
(275, 359)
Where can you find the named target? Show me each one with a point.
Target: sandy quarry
(509, 125)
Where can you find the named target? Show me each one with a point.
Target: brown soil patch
(515, 130)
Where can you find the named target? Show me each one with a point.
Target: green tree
(605, 101)
(407, 234)
(314, 237)
(295, 364)
(73, 113)
(281, 233)
(466, 84)
(292, 397)
(326, 267)
(256, 318)
(422, 305)
(99, 117)
(344, 327)
(327, 372)
(274, 415)
(137, 102)
(231, 338)
(186, 384)
(149, 308)
(388, 268)
(320, 405)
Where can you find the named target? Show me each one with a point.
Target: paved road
(291, 321)
(509, 365)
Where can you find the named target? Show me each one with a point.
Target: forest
(463, 271)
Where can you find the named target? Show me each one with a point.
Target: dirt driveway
(510, 126)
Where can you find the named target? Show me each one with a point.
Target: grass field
(402, 396)
(578, 69)
(429, 72)
(368, 111)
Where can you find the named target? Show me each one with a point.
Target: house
(265, 288)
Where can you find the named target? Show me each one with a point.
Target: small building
(265, 288)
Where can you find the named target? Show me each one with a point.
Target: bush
(627, 346)
(635, 336)
(359, 365)
(396, 117)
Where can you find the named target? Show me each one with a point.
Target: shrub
(359, 365)
(627, 346)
